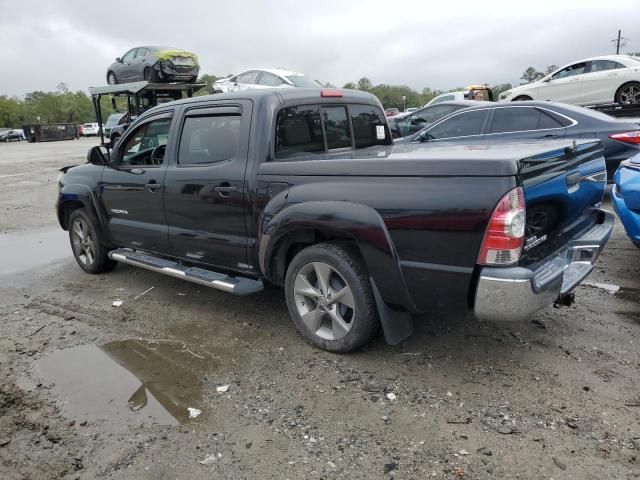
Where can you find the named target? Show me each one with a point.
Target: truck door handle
(224, 189)
(152, 186)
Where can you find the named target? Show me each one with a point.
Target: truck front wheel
(330, 299)
(89, 252)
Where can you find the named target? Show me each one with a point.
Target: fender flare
(359, 222)
(84, 195)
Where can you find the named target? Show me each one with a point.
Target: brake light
(330, 92)
(504, 237)
(627, 137)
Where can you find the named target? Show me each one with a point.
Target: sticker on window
(380, 132)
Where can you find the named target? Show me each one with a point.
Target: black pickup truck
(304, 189)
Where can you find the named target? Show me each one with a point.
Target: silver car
(154, 64)
(264, 78)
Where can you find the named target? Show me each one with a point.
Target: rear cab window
(309, 130)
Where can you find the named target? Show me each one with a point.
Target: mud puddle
(127, 383)
(22, 251)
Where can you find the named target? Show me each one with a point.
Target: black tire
(151, 75)
(522, 98)
(347, 270)
(628, 94)
(111, 75)
(96, 262)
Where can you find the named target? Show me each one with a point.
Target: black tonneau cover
(441, 159)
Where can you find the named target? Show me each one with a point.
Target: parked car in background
(592, 81)
(11, 135)
(90, 129)
(112, 121)
(500, 121)
(154, 64)
(625, 197)
(264, 78)
(406, 124)
(411, 110)
(390, 112)
(473, 92)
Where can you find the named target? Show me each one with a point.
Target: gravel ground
(93, 390)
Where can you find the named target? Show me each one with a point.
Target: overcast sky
(424, 43)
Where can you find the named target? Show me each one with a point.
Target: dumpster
(50, 132)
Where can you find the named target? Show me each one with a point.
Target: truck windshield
(112, 121)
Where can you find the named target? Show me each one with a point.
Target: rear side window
(602, 65)
(461, 125)
(336, 125)
(520, 119)
(270, 80)
(368, 126)
(209, 139)
(299, 131)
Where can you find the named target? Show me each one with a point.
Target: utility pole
(620, 42)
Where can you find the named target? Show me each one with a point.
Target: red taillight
(504, 237)
(330, 92)
(627, 137)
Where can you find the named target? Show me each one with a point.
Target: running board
(208, 278)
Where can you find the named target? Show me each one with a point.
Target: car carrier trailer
(141, 96)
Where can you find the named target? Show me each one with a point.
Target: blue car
(626, 197)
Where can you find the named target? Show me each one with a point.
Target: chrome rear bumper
(516, 293)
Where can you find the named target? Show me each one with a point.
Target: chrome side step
(208, 278)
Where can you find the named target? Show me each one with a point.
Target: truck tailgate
(563, 191)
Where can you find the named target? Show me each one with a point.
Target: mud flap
(396, 325)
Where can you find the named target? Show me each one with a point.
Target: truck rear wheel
(90, 253)
(330, 299)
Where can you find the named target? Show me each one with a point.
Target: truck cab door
(131, 187)
(205, 186)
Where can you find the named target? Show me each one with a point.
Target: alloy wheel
(630, 95)
(324, 301)
(83, 244)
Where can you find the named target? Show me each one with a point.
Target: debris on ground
(559, 463)
(143, 293)
(193, 412)
(222, 388)
(117, 303)
(210, 460)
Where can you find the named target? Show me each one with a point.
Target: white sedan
(264, 78)
(592, 81)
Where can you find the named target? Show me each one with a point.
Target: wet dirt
(24, 251)
(127, 383)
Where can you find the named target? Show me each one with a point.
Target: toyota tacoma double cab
(304, 189)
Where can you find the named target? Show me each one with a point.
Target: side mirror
(96, 156)
(546, 80)
(118, 60)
